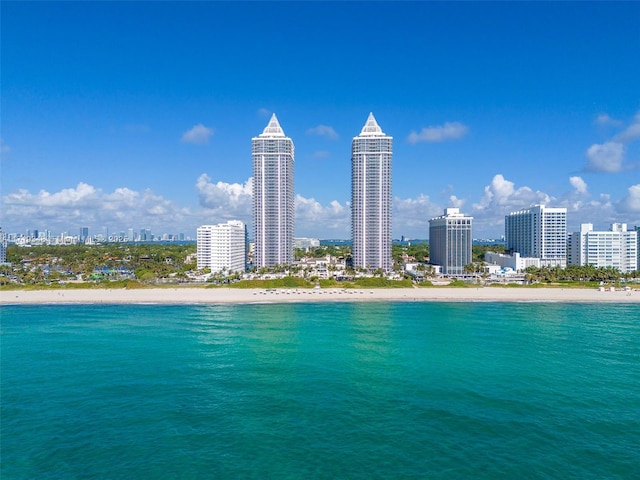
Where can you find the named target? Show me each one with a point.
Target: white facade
(306, 242)
(273, 200)
(617, 248)
(371, 154)
(222, 246)
(539, 232)
(450, 241)
(514, 261)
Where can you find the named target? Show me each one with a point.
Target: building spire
(273, 129)
(371, 128)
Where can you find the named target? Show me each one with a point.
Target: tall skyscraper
(222, 246)
(371, 153)
(273, 202)
(84, 234)
(538, 232)
(450, 241)
(3, 247)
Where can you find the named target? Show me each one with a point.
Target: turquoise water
(335, 390)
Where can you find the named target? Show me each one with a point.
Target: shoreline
(203, 296)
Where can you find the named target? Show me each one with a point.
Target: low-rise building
(514, 261)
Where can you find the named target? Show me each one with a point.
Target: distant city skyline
(140, 114)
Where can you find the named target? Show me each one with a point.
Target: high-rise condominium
(450, 241)
(3, 247)
(273, 202)
(617, 248)
(371, 153)
(538, 232)
(222, 246)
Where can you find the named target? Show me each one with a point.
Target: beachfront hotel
(273, 200)
(371, 153)
(450, 241)
(539, 232)
(222, 247)
(617, 247)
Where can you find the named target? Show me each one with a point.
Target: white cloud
(631, 133)
(316, 220)
(225, 201)
(610, 156)
(605, 119)
(411, 215)
(88, 205)
(83, 194)
(456, 202)
(198, 135)
(323, 131)
(631, 202)
(578, 184)
(264, 112)
(448, 131)
(501, 196)
(606, 157)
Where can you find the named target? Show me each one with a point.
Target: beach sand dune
(239, 296)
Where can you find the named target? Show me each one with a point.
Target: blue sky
(140, 115)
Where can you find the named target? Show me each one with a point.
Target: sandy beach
(241, 296)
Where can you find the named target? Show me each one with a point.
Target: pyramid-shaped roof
(273, 129)
(371, 128)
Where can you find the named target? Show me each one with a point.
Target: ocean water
(323, 390)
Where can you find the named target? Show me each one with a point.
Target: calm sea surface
(333, 390)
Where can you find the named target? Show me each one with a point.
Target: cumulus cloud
(225, 201)
(578, 184)
(502, 196)
(83, 194)
(631, 202)
(315, 219)
(197, 135)
(323, 131)
(411, 215)
(440, 133)
(88, 205)
(606, 157)
(456, 202)
(610, 156)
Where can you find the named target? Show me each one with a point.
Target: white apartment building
(306, 243)
(617, 248)
(273, 200)
(222, 246)
(539, 232)
(450, 241)
(371, 154)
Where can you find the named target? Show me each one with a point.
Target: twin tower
(273, 197)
